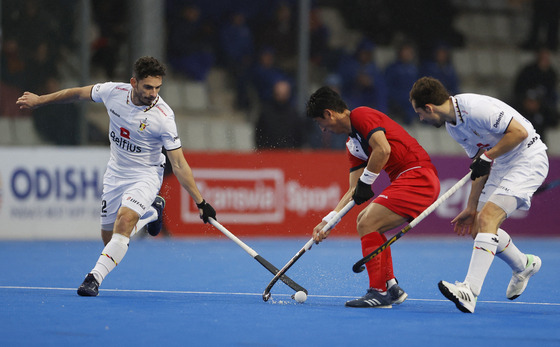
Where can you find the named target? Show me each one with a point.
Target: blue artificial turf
(207, 292)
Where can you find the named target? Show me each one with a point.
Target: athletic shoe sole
(450, 296)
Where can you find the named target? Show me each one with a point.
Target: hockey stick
(359, 266)
(291, 283)
(306, 247)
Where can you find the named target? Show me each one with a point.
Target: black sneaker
(397, 294)
(155, 227)
(373, 298)
(90, 286)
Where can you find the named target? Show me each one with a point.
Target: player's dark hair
(325, 98)
(147, 66)
(428, 90)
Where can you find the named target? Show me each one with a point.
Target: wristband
(330, 216)
(201, 205)
(368, 177)
(486, 158)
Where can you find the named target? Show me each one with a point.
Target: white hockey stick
(291, 283)
(306, 247)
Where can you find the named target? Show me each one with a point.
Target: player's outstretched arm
(31, 101)
(184, 175)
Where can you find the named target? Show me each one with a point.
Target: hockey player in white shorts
(510, 163)
(141, 123)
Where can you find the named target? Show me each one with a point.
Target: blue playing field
(207, 292)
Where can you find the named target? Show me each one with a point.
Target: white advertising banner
(51, 192)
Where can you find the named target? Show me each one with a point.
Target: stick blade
(357, 268)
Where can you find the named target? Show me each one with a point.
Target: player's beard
(145, 101)
(437, 125)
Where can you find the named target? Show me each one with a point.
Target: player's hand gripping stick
(305, 248)
(359, 266)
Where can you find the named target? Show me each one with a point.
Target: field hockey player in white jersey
(509, 164)
(141, 123)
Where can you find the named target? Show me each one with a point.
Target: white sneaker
(519, 280)
(460, 293)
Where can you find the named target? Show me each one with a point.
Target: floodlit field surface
(207, 292)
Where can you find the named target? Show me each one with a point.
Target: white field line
(257, 294)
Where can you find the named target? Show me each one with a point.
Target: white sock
(391, 283)
(148, 217)
(111, 255)
(509, 253)
(484, 249)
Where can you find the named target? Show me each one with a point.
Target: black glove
(480, 167)
(207, 211)
(362, 192)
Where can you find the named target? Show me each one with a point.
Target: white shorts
(520, 180)
(137, 193)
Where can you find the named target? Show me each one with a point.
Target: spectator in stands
(362, 82)
(108, 17)
(539, 75)
(416, 21)
(280, 33)
(191, 42)
(265, 74)
(58, 124)
(237, 48)
(279, 125)
(536, 93)
(30, 60)
(532, 107)
(400, 75)
(319, 35)
(545, 16)
(441, 67)
(13, 76)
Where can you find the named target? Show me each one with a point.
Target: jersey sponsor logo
(124, 143)
(506, 189)
(136, 202)
(481, 145)
(532, 142)
(161, 110)
(115, 113)
(125, 133)
(500, 116)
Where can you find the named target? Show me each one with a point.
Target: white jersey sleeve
(481, 122)
(100, 91)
